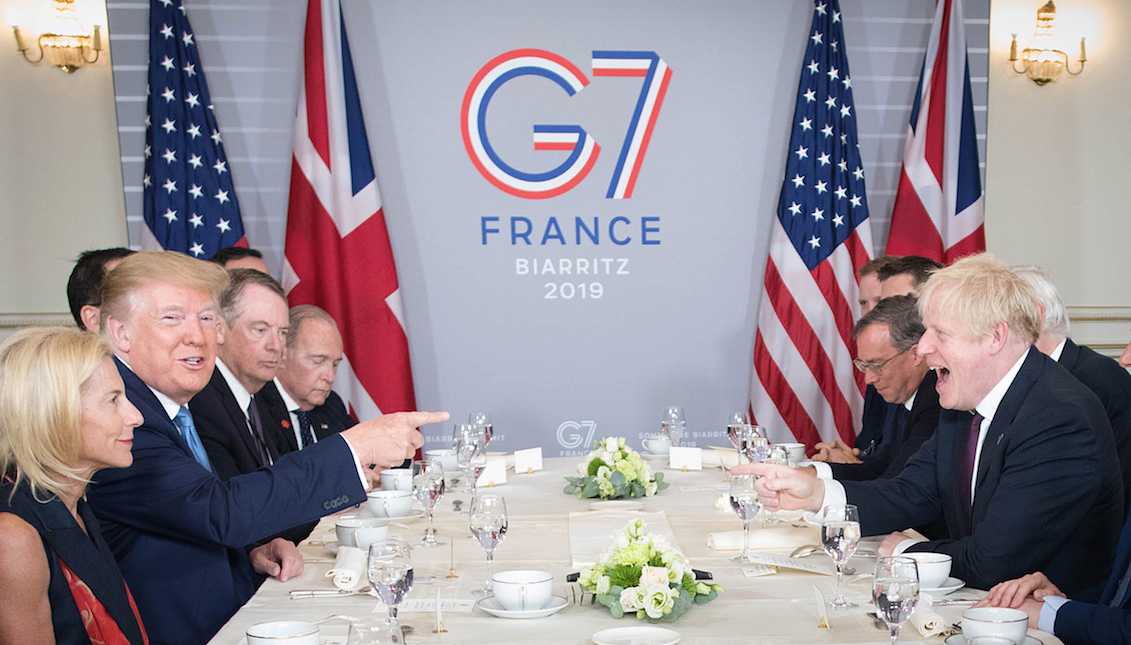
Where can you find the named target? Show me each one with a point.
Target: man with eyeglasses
(886, 338)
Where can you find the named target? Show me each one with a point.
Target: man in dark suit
(178, 531)
(234, 427)
(1102, 375)
(886, 338)
(84, 287)
(1022, 467)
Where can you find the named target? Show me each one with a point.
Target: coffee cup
(397, 479)
(934, 569)
(447, 457)
(796, 452)
(361, 532)
(522, 590)
(1001, 622)
(290, 632)
(390, 503)
(657, 445)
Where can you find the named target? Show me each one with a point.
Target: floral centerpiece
(641, 573)
(614, 470)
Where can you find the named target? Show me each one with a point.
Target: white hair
(1056, 317)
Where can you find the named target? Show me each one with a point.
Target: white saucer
(639, 635)
(332, 546)
(616, 505)
(414, 514)
(491, 606)
(951, 585)
(959, 639)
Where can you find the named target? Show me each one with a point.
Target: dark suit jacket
(1112, 384)
(178, 531)
(1048, 495)
(875, 421)
(224, 430)
(1080, 623)
(916, 427)
(327, 420)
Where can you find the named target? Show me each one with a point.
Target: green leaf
(591, 489)
(688, 581)
(637, 489)
(618, 479)
(594, 466)
(623, 576)
(705, 598)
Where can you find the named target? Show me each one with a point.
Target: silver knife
(324, 593)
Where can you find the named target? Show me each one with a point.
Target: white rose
(649, 489)
(650, 576)
(621, 540)
(658, 600)
(677, 571)
(603, 584)
(631, 599)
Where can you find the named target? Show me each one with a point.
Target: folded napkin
(927, 621)
(772, 537)
(720, 458)
(349, 571)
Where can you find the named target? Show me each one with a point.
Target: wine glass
(840, 533)
(744, 501)
(777, 455)
(895, 591)
(753, 443)
(428, 486)
(489, 526)
(734, 426)
(482, 419)
(390, 575)
(672, 423)
(469, 442)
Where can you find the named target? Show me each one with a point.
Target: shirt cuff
(824, 471)
(834, 496)
(1047, 620)
(357, 464)
(903, 546)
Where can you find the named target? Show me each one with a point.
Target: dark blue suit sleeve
(1080, 623)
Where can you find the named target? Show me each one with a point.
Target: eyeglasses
(875, 368)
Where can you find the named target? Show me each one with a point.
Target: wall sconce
(65, 42)
(1039, 60)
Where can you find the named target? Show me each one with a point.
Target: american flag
(938, 207)
(338, 254)
(190, 202)
(804, 386)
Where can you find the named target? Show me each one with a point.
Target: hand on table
(278, 558)
(891, 541)
(836, 452)
(782, 487)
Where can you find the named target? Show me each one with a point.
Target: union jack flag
(804, 386)
(338, 254)
(938, 206)
(190, 201)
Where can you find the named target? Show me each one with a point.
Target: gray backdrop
(674, 323)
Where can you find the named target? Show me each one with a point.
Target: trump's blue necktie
(184, 423)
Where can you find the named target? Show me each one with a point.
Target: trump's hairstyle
(122, 286)
(299, 315)
(1056, 316)
(231, 301)
(43, 371)
(982, 291)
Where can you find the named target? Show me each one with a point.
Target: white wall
(1056, 163)
(60, 177)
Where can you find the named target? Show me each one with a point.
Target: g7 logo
(583, 147)
(569, 438)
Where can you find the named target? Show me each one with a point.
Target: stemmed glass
(489, 526)
(735, 420)
(470, 442)
(752, 443)
(672, 423)
(390, 575)
(778, 455)
(482, 419)
(840, 533)
(428, 486)
(895, 591)
(744, 501)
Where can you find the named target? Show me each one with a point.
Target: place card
(455, 605)
(494, 474)
(784, 562)
(758, 570)
(686, 458)
(703, 488)
(823, 621)
(527, 461)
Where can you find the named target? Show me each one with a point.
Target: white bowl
(290, 632)
(657, 445)
(934, 568)
(995, 621)
(361, 532)
(390, 503)
(522, 590)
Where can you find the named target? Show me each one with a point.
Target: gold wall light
(1040, 61)
(65, 41)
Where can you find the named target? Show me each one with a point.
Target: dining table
(779, 608)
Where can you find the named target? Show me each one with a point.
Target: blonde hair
(982, 291)
(43, 371)
(121, 287)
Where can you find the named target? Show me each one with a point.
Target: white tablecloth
(777, 609)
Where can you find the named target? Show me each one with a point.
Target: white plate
(959, 639)
(616, 505)
(951, 585)
(414, 514)
(640, 635)
(492, 606)
(332, 546)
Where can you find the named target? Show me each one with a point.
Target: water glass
(744, 501)
(840, 533)
(428, 486)
(390, 574)
(752, 443)
(777, 455)
(895, 591)
(482, 419)
(488, 523)
(672, 423)
(469, 442)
